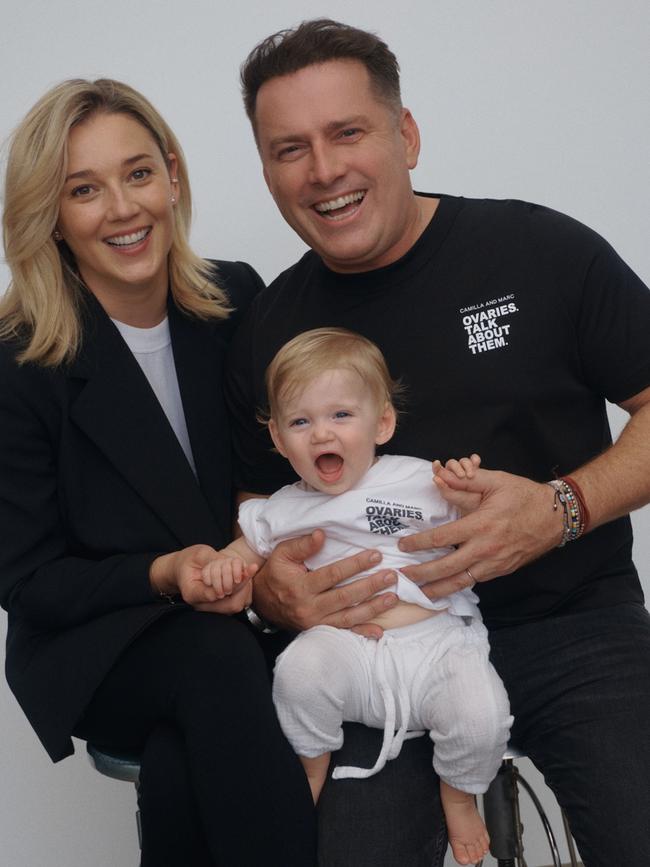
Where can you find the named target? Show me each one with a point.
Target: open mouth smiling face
(340, 207)
(329, 467)
(330, 429)
(116, 211)
(336, 160)
(127, 243)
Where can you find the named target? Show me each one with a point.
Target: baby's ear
(275, 436)
(386, 424)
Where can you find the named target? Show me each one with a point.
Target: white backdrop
(544, 101)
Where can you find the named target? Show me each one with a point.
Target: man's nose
(327, 165)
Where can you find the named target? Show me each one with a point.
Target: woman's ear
(172, 168)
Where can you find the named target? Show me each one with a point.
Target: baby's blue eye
(298, 422)
(342, 413)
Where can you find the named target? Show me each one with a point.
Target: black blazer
(93, 486)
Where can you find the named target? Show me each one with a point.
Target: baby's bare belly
(403, 614)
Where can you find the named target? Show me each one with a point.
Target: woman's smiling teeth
(128, 240)
(340, 206)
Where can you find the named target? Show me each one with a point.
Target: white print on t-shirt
(385, 517)
(484, 326)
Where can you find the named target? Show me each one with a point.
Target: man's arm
(618, 481)
(516, 522)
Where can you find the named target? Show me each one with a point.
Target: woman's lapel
(199, 355)
(117, 409)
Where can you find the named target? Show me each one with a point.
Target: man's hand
(514, 524)
(288, 594)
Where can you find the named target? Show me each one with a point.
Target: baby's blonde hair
(313, 352)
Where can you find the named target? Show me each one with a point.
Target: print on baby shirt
(385, 517)
(484, 326)
(385, 495)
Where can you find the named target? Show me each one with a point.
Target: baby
(331, 402)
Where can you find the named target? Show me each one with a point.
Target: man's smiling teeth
(125, 240)
(341, 202)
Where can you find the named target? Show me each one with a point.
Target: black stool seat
(118, 766)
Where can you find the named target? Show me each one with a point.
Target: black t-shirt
(509, 324)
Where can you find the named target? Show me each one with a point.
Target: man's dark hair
(319, 41)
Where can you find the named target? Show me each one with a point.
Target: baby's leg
(465, 707)
(316, 770)
(320, 680)
(468, 836)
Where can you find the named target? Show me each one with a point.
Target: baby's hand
(463, 468)
(227, 575)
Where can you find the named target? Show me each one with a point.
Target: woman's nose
(122, 205)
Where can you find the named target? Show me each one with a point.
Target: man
(509, 325)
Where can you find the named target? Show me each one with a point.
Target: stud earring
(173, 200)
(57, 235)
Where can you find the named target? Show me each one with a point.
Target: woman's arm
(42, 579)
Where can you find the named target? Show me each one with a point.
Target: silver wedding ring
(471, 577)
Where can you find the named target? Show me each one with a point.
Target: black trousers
(220, 785)
(579, 687)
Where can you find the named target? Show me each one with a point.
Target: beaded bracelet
(577, 490)
(574, 525)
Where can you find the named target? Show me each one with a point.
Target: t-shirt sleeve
(614, 326)
(608, 302)
(255, 527)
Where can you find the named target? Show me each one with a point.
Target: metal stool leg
(503, 819)
(138, 820)
(501, 809)
(573, 857)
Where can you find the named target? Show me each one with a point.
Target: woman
(115, 484)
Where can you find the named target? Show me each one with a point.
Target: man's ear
(411, 138)
(386, 424)
(277, 439)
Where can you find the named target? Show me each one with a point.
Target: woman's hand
(182, 572)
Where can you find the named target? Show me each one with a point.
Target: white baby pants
(433, 675)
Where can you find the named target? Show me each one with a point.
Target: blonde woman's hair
(42, 305)
(312, 353)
